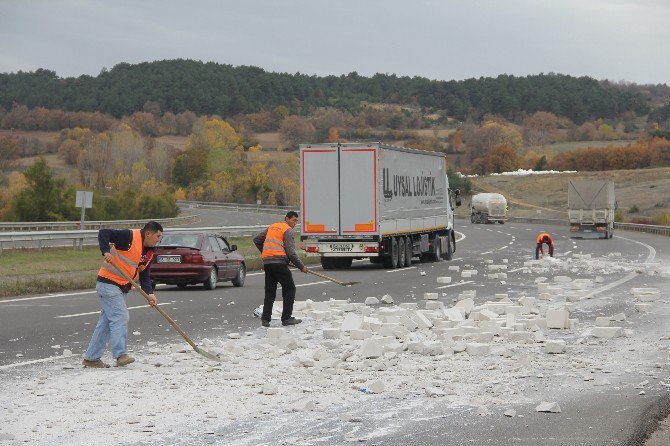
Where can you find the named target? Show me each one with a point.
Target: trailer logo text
(408, 186)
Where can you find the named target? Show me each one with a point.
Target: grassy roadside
(52, 270)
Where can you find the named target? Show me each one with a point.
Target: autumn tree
(480, 140)
(295, 130)
(10, 151)
(539, 128)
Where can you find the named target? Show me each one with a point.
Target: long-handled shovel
(331, 279)
(167, 317)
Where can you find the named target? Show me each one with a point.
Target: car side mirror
(233, 248)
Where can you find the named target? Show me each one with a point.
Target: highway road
(36, 329)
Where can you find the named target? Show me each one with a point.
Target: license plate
(169, 259)
(341, 247)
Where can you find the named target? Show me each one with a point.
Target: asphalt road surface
(37, 328)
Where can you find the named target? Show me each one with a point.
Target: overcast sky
(441, 39)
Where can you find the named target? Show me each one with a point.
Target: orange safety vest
(541, 236)
(273, 246)
(128, 261)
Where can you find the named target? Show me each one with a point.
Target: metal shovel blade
(207, 354)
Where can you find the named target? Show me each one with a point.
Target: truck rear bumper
(343, 249)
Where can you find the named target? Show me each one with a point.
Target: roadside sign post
(84, 200)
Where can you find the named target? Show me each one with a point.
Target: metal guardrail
(650, 229)
(42, 239)
(252, 208)
(75, 225)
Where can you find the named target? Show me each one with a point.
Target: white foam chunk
(477, 349)
(554, 346)
(444, 279)
(551, 407)
(557, 319)
(607, 332)
(430, 296)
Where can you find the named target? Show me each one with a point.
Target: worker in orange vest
(542, 239)
(132, 252)
(277, 247)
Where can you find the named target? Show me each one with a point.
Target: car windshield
(185, 240)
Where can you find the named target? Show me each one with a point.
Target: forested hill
(224, 90)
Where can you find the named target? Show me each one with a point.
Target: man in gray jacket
(277, 247)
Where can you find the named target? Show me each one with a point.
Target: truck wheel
(343, 263)
(449, 251)
(408, 251)
(437, 250)
(391, 261)
(327, 263)
(401, 252)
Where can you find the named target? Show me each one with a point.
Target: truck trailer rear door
(319, 180)
(358, 189)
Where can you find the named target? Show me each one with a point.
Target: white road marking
(97, 312)
(455, 284)
(35, 361)
(650, 257)
(400, 269)
(4, 301)
(487, 252)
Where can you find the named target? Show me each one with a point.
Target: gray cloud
(450, 39)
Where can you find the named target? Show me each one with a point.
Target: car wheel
(449, 253)
(210, 284)
(241, 275)
(391, 260)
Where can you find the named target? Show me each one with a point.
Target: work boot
(265, 323)
(291, 321)
(97, 364)
(124, 359)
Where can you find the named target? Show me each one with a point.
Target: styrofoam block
(516, 310)
(421, 320)
(510, 320)
(360, 334)
(275, 332)
(387, 299)
(551, 407)
(500, 296)
(607, 332)
(521, 336)
(466, 274)
(434, 305)
(555, 346)
(351, 322)
(545, 296)
(372, 348)
(557, 319)
(618, 317)
(430, 296)
(388, 329)
(473, 272)
(483, 337)
(371, 300)
(492, 326)
(376, 387)
(453, 314)
(454, 268)
(542, 287)
(331, 333)
(487, 315)
(306, 358)
(642, 291)
(642, 307)
(467, 304)
(502, 275)
(409, 323)
(371, 323)
(269, 389)
(602, 321)
(450, 333)
(322, 315)
(444, 279)
(572, 323)
(409, 305)
(303, 406)
(366, 311)
(528, 302)
(477, 349)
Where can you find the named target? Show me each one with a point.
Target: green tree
(45, 198)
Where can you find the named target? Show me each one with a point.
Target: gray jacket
(289, 247)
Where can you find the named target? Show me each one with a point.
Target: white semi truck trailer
(591, 206)
(488, 208)
(376, 201)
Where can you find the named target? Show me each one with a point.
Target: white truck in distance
(591, 206)
(488, 208)
(376, 201)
